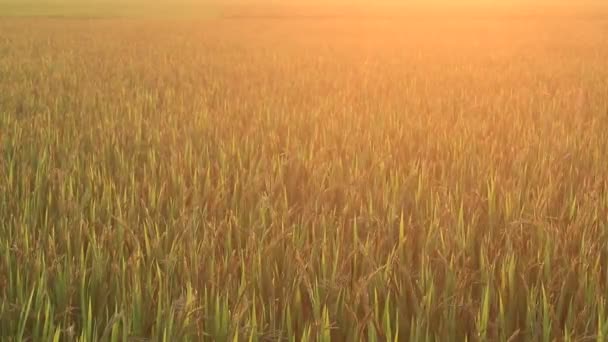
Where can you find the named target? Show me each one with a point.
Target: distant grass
(107, 9)
(307, 9)
(344, 179)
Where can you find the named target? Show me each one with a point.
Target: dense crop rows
(427, 179)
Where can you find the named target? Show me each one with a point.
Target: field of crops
(272, 176)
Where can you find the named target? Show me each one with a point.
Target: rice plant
(305, 178)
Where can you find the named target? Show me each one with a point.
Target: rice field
(305, 174)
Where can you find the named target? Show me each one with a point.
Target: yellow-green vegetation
(305, 178)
